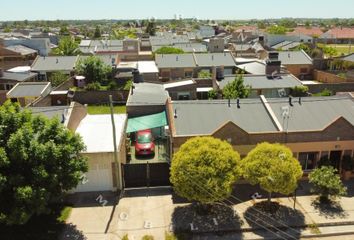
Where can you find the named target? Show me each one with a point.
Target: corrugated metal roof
(175, 60)
(214, 59)
(253, 67)
(28, 89)
(294, 57)
(178, 84)
(54, 63)
(19, 77)
(147, 94)
(96, 132)
(23, 50)
(263, 82)
(314, 113)
(205, 116)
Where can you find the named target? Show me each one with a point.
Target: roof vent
(238, 103)
(175, 113)
(176, 58)
(290, 101)
(212, 57)
(57, 60)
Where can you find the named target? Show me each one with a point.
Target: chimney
(1, 72)
(272, 64)
(261, 40)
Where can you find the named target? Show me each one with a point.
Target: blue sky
(202, 9)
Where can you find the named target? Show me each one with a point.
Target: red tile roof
(341, 32)
(312, 31)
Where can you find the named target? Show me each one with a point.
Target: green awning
(147, 122)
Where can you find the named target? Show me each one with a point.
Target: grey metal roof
(147, 94)
(294, 57)
(242, 47)
(314, 113)
(206, 116)
(28, 89)
(253, 67)
(187, 47)
(263, 82)
(214, 59)
(291, 45)
(54, 63)
(349, 58)
(19, 77)
(175, 60)
(106, 58)
(51, 112)
(23, 50)
(281, 44)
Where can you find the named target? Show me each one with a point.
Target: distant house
(338, 35)
(175, 66)
(268, 86)
(206, 61)
(16, 55)
(182, 90)
(27, 92)
(308, 31)
(10, 79)
(45, 66)
(298, 63)
(42, 45)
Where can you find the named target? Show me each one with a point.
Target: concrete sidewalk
(151, 212)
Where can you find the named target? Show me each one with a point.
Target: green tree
(204, 170)
(64, 30)
(39, 161)
(97, 33)
(57, 78)
(299, 91)
(94, 69)
(327, 183)
(273, 167)
(236, 89)
(304, 47)
(204, 74)
(277, 30)
(212, 94)
(151, 28)
(169, 50)
(67, 47)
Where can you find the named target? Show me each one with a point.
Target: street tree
(204, 170)
(151, 28)
(273, 167)
(67, 47)
(94, 69)
(39, 161)
(327, 183)
(57, 78)
(236, 88)
(97, 33)
(169, 50)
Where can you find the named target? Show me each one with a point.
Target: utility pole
(118, 170)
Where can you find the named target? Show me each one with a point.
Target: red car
(144, 144)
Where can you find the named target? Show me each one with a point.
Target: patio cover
(147, 122)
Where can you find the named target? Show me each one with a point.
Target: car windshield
(144, 138)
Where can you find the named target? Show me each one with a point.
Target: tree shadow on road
(330, 209)
(276, 218)
(218, 219)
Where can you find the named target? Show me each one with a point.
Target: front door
(334, 158)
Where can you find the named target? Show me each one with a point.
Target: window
(188, 74)
(307, 160)
(183, 95)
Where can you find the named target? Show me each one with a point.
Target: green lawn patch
(104, 109)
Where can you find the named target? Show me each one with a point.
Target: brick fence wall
(100, 97)
(334, 87)
(328, 77)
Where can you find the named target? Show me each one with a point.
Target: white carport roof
(96, 132)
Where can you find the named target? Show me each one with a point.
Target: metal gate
(146, 175)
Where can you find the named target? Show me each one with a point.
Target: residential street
(151, 211)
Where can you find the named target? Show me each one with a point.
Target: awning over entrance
(147, 122)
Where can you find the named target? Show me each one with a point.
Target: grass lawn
(92, 109)
(342, 49)
(42, 227)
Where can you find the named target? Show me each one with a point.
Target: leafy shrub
(93, 86)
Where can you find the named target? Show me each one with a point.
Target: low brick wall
(100, 97)
(334, 87)
(328, 77)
